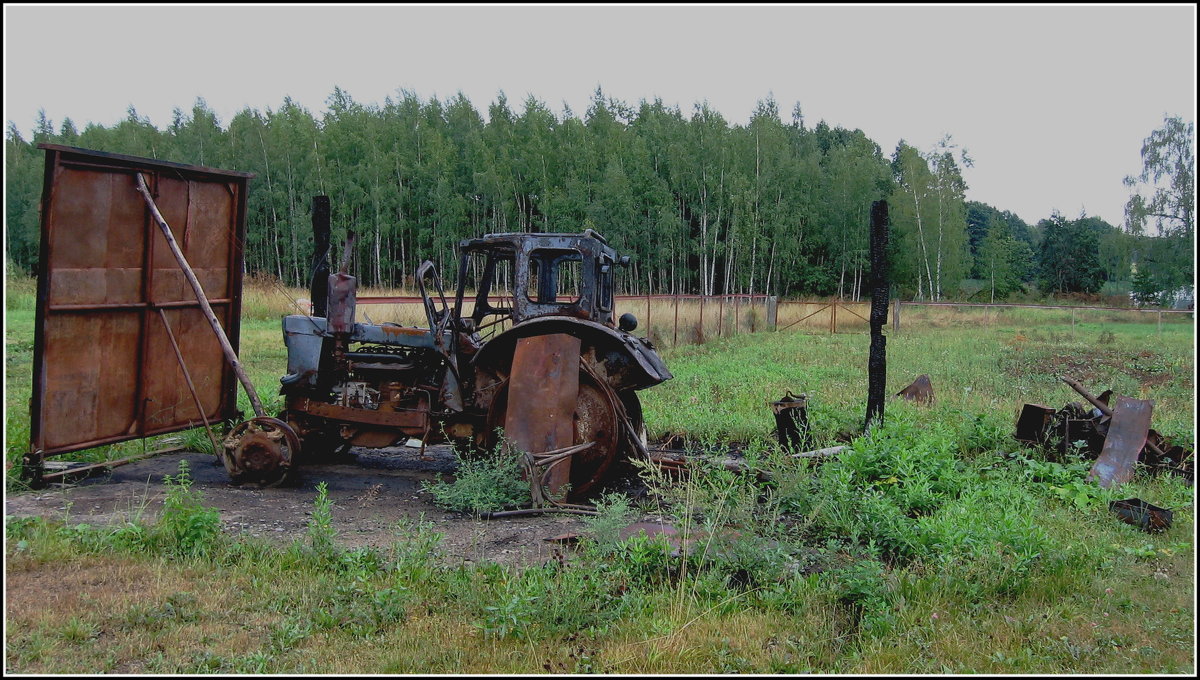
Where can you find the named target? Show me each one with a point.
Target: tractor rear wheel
(599, 417)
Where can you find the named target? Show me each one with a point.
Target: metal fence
(673, 320)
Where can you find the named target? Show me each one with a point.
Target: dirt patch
(371, 496)
(1094, 367)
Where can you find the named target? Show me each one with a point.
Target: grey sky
(1052, 102)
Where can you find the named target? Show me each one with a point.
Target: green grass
(935, 544)
(721, 388)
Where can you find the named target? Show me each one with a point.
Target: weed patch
(485, 483)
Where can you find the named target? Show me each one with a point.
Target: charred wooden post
(319, 287)
(877, 363)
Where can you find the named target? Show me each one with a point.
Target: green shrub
(320, 524)
(186, 528)
(485, 483)
(614, 513)
(863, 588)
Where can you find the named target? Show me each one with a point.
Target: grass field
(936, 544)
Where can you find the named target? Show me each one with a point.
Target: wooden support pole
(230, 355)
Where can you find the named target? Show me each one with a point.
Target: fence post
(833, 316)
(737, 321)
(720, 314)
(700, 337)
(896, 316)
(773, 312)
(647, 312)
(1160, 322)
(675, 334)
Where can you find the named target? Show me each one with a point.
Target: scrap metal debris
(1117, 437)
(1149, 518)
(920, 391)
(1127, 430)
(791, 421)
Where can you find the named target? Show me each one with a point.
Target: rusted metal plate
(1127, 433)
(920, 391)
(404, 419)
(104, 368)
(542, 394)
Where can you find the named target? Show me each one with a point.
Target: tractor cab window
(604, 275)
(555, 276)
(487, 290)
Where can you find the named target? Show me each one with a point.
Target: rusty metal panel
(104, 369)
(1127, 433)
(542, 394)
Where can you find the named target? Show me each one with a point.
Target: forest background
(702, 204)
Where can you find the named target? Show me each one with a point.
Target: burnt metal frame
(66, 156)
(595, 289)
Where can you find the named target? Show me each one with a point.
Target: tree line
(702, 205)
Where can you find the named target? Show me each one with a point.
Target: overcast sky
(1052, 103)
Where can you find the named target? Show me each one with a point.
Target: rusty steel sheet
(920, 391)
(104, 367)
(542, 394)
(1127, 432)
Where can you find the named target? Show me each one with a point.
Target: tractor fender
(628, 362)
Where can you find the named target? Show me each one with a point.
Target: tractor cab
(517, 277)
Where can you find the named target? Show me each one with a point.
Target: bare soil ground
(370, 497)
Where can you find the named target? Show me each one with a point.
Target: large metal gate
(121, 348)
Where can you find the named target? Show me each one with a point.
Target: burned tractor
(538, 356)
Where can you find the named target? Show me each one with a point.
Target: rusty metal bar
(133, 306)
(112, 463)
(804, 317)
(856, 314)
(187, 376)
(230, 354)
(391, 300)
(1073, 307)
